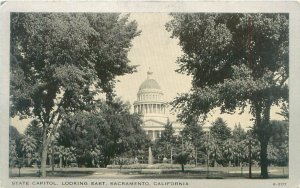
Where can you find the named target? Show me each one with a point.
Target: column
(153, 135)
(152, 108)
(160, 108)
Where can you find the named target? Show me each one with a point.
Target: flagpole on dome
(149, 73)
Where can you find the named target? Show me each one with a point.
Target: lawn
(174, 173)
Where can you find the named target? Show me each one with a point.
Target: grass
(166, 173)
(146, 166)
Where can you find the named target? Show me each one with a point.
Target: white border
(293, 8)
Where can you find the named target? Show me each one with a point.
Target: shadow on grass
(23, 175)
(142, 174)
(54, 174)
(70, 173)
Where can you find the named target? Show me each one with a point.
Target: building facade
(152, 106)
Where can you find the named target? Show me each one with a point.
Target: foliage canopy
(61, 61)
(235, 60)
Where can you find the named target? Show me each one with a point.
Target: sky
(155, 49)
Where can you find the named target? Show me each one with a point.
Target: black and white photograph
(150, 98)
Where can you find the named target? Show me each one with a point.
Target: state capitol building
(151, 105)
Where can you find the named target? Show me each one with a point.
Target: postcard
(150, 94)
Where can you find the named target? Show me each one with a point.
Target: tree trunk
(171, 158)
(66, 161)
(28, 160)
(262, 123)
(106, 161)
(196, 156)
(264, 159)
(44, 153)
(50, 163)
(44, 159)
(60, 162)
(52, 158)
(182, 167)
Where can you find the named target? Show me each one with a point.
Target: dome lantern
(149, 73)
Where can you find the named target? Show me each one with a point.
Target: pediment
(153, 121)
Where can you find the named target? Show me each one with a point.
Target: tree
(126, 133)
(279, 144)
(14, 145)
(235, 60)
(194, 134)
(65, 155)
(35, 130)
(111, 130)
(240, 152)
(13, 156)
(228, 150)
(213, 149)
(238, 133)
(28, 147)
(165, 145)
(221, 133)
(220, 130)
(59, 62)
(84, 131)
(182, 158)
(251, 138)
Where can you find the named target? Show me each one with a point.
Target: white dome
(150, 98)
